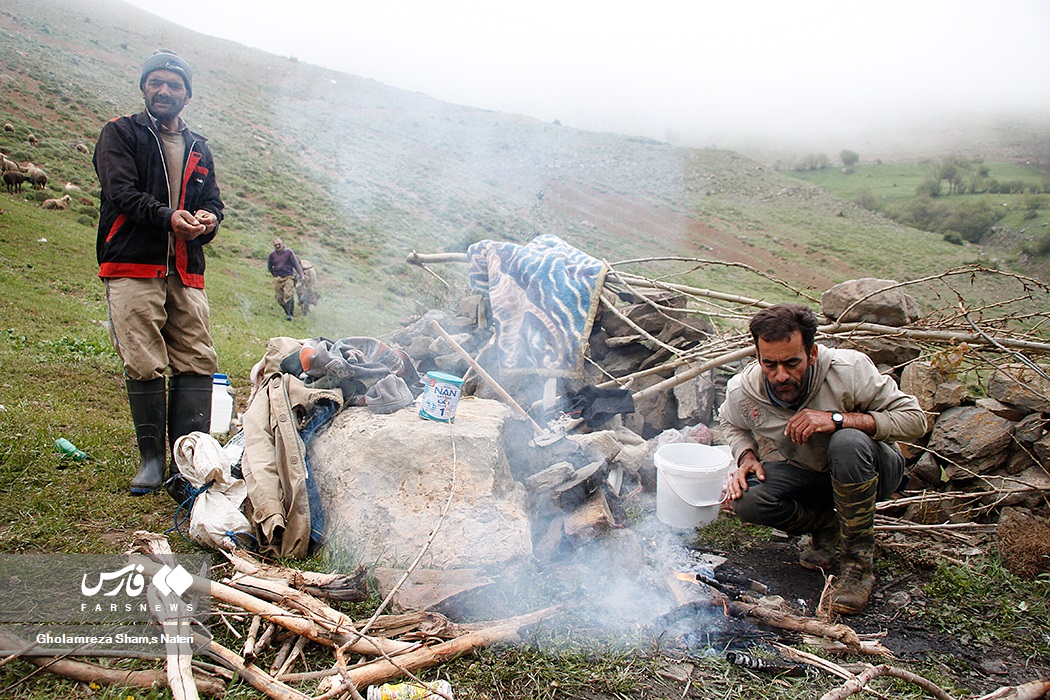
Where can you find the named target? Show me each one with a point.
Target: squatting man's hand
(804, 424)
(749, 464)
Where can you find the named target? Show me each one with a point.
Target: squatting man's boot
(148, 402)
(189, 410)
(823, 528)
(855, 504)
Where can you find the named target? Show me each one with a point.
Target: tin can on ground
(440, 396)
(409, 691)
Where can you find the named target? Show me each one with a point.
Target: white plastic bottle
(221, 404)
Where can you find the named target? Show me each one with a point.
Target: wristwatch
(836, 417)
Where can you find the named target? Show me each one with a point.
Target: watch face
(837, 418)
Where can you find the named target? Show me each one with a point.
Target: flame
(684, 576)
(725, 606)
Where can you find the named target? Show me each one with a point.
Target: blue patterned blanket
(544, 296)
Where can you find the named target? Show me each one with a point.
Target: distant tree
(930, 187)
(866, 199)
(813, 161)
(849, 158)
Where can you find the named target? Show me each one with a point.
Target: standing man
(285, 268)
(813, 430)
(160, 205)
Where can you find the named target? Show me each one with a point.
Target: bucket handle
(720, 501)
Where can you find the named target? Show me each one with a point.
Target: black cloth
(598, 406)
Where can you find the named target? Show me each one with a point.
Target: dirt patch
(893, 615)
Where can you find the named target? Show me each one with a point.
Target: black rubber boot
(189, 406)
(189, 410)
(289, 309)
(148, 402)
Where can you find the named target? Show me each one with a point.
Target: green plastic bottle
(68, 449)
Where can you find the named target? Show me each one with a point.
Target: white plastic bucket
(689, 479)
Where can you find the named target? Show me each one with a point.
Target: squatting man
(813, 432)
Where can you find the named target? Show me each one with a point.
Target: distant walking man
(285, 268)
(159, 206)
(813, 430)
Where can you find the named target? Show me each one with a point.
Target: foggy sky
(694, 72)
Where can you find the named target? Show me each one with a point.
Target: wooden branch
(1036, 690)
(692, 372)
(179, 654)
(695, 291)
(642, 332)
(415, 258)
(384, 670)
(838, 632)
(855, 685)
(253, 675)
(85, 672)
(297, 623)
(248, 650)
(334, 586)
(485, 376)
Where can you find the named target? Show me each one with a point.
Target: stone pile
(989, 436)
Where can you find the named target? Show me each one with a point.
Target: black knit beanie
(166, 59)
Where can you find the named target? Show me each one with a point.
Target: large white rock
(384, 480)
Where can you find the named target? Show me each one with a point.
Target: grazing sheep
(36, 176)
(81, 147)
(9, 127)
(32, 139)
(9, 164)
(60, 203)
(13, 179)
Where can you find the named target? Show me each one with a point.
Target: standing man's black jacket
(135, 221)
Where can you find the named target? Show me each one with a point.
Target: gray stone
(1020, 385)
(971, 441)
(384, 480)
(889, 308)
(696, 398)
(599, 445)
(948, 395)
(927, 469)
(554, 475)
(1026, 489)
(1001, 409)
(1041, 449)
(921, 379)
(655, 413)
(1032, 428)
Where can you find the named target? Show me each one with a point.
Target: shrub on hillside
(970, 220)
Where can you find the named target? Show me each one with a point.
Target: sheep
(70, 187)
(9, 127)
(32, 139)
(36, 176)
(13, 179)
(9, 164)
(60, 203)
(81, 147)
